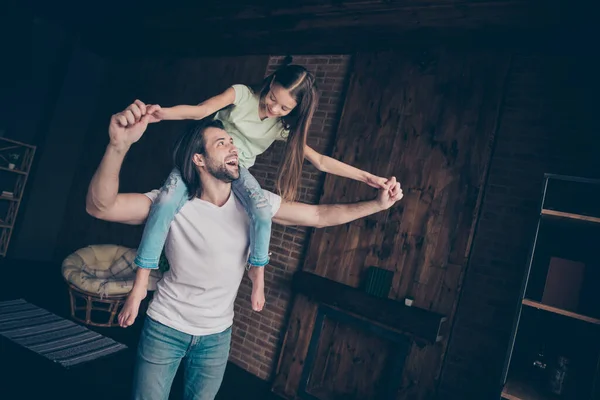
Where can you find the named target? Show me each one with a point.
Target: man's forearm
(337, 214)
(104, 187)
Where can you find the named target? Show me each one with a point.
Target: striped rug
(51, 336)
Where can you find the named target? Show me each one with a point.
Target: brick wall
(257, 337)
(543, 128)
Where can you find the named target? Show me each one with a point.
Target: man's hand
(387, 197)
(128, 126)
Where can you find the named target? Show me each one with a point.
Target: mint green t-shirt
(250, 135)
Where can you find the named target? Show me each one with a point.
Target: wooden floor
(25, 375)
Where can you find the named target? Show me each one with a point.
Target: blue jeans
(160, 351)
(173, 195)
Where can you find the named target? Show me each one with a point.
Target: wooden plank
(244, 12)
(16, 171)
(567, 215)
(288, 17)
(520, 390)
(326, 41)
(348, 26)
(415, 321)
(295, 347)
(555, 310)
(16, 142)
(350, 363)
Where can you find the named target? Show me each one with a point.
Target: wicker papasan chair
(99, 278)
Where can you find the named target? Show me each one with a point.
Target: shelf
(17, 143)
(555, 310)
(393, 314)
(20, 155)
(566, 215)
(16, 171)
(519, 390)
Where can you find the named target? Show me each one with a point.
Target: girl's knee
(263, 214)
(172, 194)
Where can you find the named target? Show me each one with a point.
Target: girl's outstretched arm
(332, 166)
(199, 111)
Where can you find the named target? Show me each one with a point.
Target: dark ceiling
(309, 26)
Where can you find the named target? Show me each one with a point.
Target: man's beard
(220, 171)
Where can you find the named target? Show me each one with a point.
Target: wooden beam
(310, 27)
(415, 321)
(337, 41)
(405, 14)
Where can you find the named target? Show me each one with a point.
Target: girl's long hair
(302, 87)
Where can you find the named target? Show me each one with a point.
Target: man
(191, 314)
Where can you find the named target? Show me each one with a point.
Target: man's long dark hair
(189, 143)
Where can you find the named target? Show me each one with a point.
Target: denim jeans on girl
(160, 351)
(173, 195)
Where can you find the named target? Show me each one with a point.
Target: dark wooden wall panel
(166, 82)
(356, 362)
(429, 119)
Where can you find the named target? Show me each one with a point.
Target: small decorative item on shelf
(558, 376)
(13, 160)
(539, 369)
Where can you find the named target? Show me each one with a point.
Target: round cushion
(104, 269)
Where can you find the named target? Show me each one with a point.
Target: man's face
(221, 156)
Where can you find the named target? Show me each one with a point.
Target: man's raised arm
(103, 200)
(323, 215)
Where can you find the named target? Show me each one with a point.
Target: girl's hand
(377, 182)
(157, 115)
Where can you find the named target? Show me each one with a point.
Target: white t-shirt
(207, 248)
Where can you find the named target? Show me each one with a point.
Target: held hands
(128, 126)
(390, 194)
(157, 113)
(377, 182)
(389, 190)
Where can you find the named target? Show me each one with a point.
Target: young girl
(282, 109)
